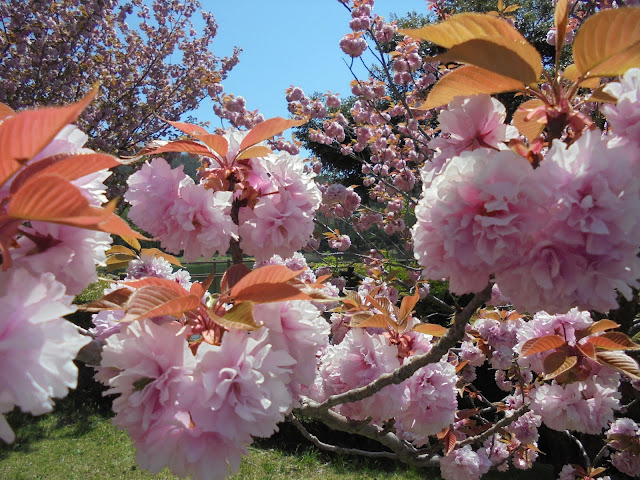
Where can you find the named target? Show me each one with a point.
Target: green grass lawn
(81, 444)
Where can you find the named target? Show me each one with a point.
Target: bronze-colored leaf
(530, 128)
(186, 146)
(188, 128)
(430, 329)
(375, 321)
(115, 300)
(600, 95)
(217, 143)
(510, 58)
(560, 20)
(26, 133)
(621, 362)
(6, 111)
(131, 241)
(466, 81)
(270, 292)
(159, 253)
(232, 276)
(558, 363)
(255, 151)
(464, 27)
(608, 43)
(155, 301)
(541, 344)
(270, 274)
(613, 341)
(602, 326)
(268, 129)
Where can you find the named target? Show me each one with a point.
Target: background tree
(147, 57)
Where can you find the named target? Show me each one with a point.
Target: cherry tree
(533, 224)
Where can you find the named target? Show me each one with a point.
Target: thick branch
(453, 335)
(335, 449)
(405, 452)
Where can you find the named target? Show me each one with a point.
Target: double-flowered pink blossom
(37, 346)
(624, 116)
(464, 464)
(586, 406)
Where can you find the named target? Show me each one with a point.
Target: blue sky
(286, 42)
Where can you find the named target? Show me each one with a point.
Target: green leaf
(239, 317)
(466, 81)
(608, 43)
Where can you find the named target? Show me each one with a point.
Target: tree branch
(453, 335)
(498, 426)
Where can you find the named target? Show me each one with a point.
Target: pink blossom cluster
(37, 346)
(624, 116)
(585, 406)
(185, 216)
(196, 413)
(338, 200)
(556, 237)
(624, 436)
(464, 464)
(341, 243)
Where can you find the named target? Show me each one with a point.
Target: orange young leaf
(155, 301)
(157, 282)
(588, 350)
(430, 329)
(77, 166)
(608, 43)
(239, 317)
(270, 292)
(621, 362)
(466, 81)
(377, 321)
(131, 241)
(116, 265)
(449, 442)
(113, 224)
(268, 129)
(120, 250)
(613, 341)
(188, 128)
(602, 326)
(530, 128)
(558, 363)
(464, 27)
(255, 151)
(159, 253)
(268, 275)
(217, 143)
(560, 20)
(26, 133)
(541, 344)
(6, 111)
(186, 146)
(513, 59)
(461, 365)
(407, 305)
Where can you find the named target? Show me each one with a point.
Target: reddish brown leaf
(233, 275)
(115, 300)
(449, 442)
(115, 225)
(613, 341)
(268, 129)
(188, 128)
(186, 146)
(621, 362)
(542, 344)
(270, 274)
(270, 292)
(121, 250)
(560, 20)
(430, 329)
(26, 133)
(217, 143)
(407, 305)
(461, 365)
(154, 301)
(77, 166)
(588, 350)
(558, 363)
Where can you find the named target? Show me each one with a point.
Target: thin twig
(583, 452)
(498, 426)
